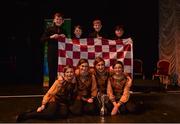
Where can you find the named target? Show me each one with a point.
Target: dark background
(22, 24)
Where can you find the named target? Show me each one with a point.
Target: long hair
(81, 61)
(97, 60)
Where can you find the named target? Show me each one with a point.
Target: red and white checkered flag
(70, 51)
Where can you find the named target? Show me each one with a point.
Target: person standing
(97, 30)
(51, 35)
(77, 32)
(118, 32)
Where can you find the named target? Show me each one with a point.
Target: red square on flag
(120, 55)
(83, 48)
(60, 68)
(105, 55)
(69, 61)
(76, 55)
(90, 41)
(98, 48)
(69, 47)
(75, 41)
(62, 53)
(127, 47)
(127, 61)
(119, 42)
(112, 48)
(105, 42)
(91, 55)
(112, 61)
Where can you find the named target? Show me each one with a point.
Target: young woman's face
(100, 66)
(84, 68)
(58, 21)
(69, 74)
(97, 27)
(78, 32)
(119, 32)
(118, 69)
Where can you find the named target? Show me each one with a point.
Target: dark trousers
(53, 110)
(81, 107)
(128, 107)
(52, 63)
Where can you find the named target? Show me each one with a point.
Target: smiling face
(97, 25)
(69, 74)
(83, 68)
(78, 32)
(119, 33)
(100, 66)
(118, 69)
(58, 21)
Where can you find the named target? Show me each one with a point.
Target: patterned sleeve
(110, 91)
(52, 91)
(93, 87)
(126, 93)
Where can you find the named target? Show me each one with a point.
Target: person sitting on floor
(57, 101)
(119, 85)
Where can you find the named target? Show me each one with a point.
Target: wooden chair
(138, 69)
(162, 72)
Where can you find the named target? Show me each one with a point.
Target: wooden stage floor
(156, 106)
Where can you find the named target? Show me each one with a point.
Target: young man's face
(78, 32)
(97, 27)
(58, 21)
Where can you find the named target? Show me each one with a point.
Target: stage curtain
(169, 36)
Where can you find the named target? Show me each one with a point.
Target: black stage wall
(21, 53)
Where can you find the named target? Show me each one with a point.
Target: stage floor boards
(156, 107)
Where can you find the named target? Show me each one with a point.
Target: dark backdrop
(22, 23)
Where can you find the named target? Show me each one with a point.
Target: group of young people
(54, 32)
(98, 32)
(85, 90)
(82, 90)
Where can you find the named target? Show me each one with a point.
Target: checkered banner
(70, 51)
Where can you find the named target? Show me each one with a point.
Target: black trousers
(52, 111)
(81, 107)
(128, 107)
(52, 62)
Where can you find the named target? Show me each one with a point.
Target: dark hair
(97, 60)
(58, 15)
(67, 67)
(95, 21)
(81, 61)
(118, 62)
(78, 26)
(119, 27)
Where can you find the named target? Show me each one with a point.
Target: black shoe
(21, 117)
